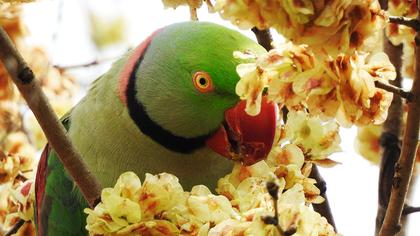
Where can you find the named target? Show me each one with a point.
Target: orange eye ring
(202, 82)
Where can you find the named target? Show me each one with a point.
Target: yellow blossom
(9, 167)
(119, 207)
(367, 142)
(333, 27)
(361, 102)
(294, 213)
(160, 192)
(250, 86)
(207, 207)
(229, 227)
(152, 227)
(24, 198)
(286, 155)
(317, 139)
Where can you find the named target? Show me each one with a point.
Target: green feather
(62, 204)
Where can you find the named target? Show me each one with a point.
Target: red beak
(243, 137)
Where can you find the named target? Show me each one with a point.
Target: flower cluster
(333, 27)
(400, 34)
(361, 102)
(159, 206)
(343, 87)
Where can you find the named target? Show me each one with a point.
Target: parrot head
(179, 87)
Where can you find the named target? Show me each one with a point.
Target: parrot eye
(202, 82)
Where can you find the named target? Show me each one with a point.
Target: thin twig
(15, 227)
(401, 20)
(395, 90)
(263, 37)
(58, 22)
(210, 6)
(193, 14)
(31, 91)
(405, 165)
(273, 190)
(410, 209)
(21, 177)
(323, 208)
(84, 65)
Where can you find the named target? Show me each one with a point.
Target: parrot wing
(59, 204)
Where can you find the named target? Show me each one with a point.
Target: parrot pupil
(202, 81)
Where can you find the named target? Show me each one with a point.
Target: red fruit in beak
(243, 137)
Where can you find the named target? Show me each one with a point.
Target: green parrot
(170, 106)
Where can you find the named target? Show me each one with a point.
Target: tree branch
(31, 91)
(405, 165)
(324, 208)
(85, 65)
(410, 209)
(395, 90)
(401, 20)
(390, 138)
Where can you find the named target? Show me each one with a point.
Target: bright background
(63, 28)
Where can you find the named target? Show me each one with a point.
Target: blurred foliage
(20, 135)
(15, 1)
(106, 31)
(367, 142)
